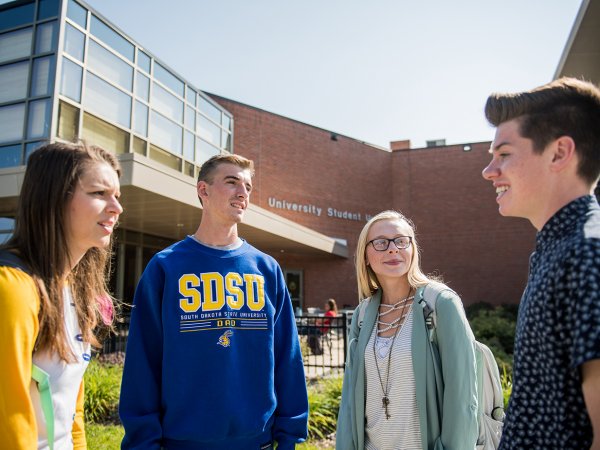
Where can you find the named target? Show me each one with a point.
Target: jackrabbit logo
(224, 340)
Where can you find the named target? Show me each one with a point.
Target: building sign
(307, 208)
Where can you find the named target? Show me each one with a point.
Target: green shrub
(102, 386)
(324, 399)
(506, 380)
(495, 327)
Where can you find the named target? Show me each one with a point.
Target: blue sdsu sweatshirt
(213, 359)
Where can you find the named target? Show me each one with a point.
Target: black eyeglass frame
(410, 239)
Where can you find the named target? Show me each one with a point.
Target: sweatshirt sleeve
(291, 415)
(457, 353)
(140, 402)
(19, 306)
(78, 431)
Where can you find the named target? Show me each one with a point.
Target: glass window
(47, 8)
(204, 151)
(107, 101)
(190, 118)
(226, 140)
(68, 121)
(74, 42)
(139, 146)
(165, 133)
(189, 169)
(45, 39)
(209, 110)
(143, 61)
(109, 66)
(140, 119)
(13, 81)
(16, 44)
(10, 156)
(32, 147)
(111, 38)
(77, 14)
(19, 15)
(142, 86)
(190, 96)
(70, 80)
(188, 145)
(165, 158)
(12, 118)
(38, 122)
(166, 103)
(42, 76)
(104, 134)
(7, 224)
(168, 79)
(208, 130)
(226, 122)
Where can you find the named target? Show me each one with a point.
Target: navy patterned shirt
(558, 330)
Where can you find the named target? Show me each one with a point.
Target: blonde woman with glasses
(392, 397)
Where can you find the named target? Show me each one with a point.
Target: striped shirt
(401, 430)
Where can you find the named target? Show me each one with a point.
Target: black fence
(323, 341)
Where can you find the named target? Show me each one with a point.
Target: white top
(65, 380)
(401, 431)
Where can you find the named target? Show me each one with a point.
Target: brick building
(462, 236)
(67, 72)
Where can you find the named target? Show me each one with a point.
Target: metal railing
(323, 342)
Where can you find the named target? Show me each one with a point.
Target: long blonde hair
(40, 240)
(365, 277)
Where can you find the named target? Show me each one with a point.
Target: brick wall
(480, 254)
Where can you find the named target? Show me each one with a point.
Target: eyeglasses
(382, 244)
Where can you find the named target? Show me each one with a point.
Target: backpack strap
(428, 303)
(42, 378)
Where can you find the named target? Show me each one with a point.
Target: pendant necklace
(398, 323)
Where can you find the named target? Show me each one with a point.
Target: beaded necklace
(397, 324)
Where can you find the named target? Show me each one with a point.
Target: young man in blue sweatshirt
(213, 358)
(545, 165)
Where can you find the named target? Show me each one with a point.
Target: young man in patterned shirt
(545, 165)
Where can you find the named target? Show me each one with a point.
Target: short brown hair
(207, 169)
(564, 107)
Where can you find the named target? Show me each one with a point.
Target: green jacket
(447, 409)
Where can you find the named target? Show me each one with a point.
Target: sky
(376, 71)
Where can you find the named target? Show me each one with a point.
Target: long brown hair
(40, 240)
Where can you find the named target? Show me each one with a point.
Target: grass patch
(102, 387)
(103, 437)
(324, 398)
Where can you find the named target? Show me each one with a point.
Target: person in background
(53, 293)
(545, 165)
(392, 396)
(213, 358)
(331, 311)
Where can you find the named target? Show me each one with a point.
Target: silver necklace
(394, 323)
(385, 400)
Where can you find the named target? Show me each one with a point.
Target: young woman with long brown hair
(53, 294)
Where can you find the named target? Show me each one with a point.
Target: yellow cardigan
(19, 327)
